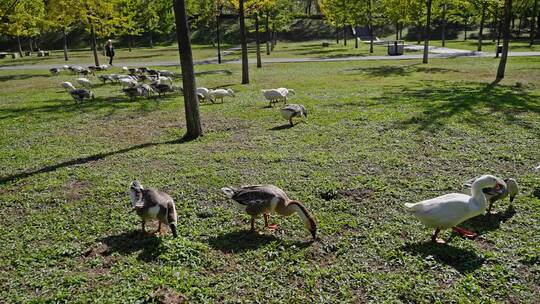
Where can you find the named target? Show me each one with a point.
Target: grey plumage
(80, 94)
(265, 199)
(152, 204)
(293, 110)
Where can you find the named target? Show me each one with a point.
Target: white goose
(449, 210)
(293, 110)
(511, 190)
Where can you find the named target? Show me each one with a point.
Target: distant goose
(449, 210)
(293, 110)
(68, 86)
(265, 199)
(54, 71)
(80, 94)
(151, 204)
(84, 82)
(204, 94)
(511, 189)
(221, 93)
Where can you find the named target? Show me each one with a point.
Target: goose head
(304, 111)
(230, 92)
(513, 188)
(292, 92)
(493, 184)
(135, 193)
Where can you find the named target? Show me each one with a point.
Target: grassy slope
(379, 134)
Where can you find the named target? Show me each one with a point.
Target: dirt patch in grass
(356, 195)
(165, 295)
(74, 189)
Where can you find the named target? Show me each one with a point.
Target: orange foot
(464, 232)
(272, 227)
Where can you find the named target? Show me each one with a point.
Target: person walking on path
(109, 51)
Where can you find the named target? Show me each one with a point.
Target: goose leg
(464, 232)
(489, 207)
(269, 226)
(434, 237)
(159, 228)
(252, 224)
(290, 121)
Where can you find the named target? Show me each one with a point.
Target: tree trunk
(482, 20)
(370, 26)
(337, 34)
(19, 45)
(130, 42)
(532, 33)
(218, 40)
(418, 33)
(443, 29)
(499, 27)
(506, 38)
(258, 40)
(151, 41)
(427, 32)
(94, 44)
(30, 47)
(401, 32)
(65, 44)
(370, 37)
(345, 35)
(245, 67)
(397, 31)
(274, 36)
(465, 32)
(267, 27)
(494, 29)
(191, 104)
(355, 39)
(519, 27)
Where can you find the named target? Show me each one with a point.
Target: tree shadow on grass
(245, 240)
(84, 160)
(405, 70)
(133, 241)
(282, 127)
(4, 78)
(490, 221)
(475, 103)
(462, 260)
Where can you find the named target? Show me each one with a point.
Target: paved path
(290, 60)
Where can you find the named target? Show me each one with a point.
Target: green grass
(156, 54)
(379, 134)
(487, 45)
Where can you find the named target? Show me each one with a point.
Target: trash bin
(395, 48)
(499, 48)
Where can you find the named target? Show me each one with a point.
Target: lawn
(379, 134)
(156, 54)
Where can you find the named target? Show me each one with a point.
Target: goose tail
(409, 205)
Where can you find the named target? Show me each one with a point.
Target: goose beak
(499, 188)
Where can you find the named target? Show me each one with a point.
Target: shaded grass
(379, 134)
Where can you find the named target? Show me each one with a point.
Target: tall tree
(61, 15)
(24, 18)
(506, 38)
(534, 14)
(427, 31)
(191, 104)
(483, 5)
(243, 42)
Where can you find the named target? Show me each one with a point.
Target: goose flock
(439, 213)
(147, 83)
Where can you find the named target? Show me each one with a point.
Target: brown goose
(152, 204)
(264, 199)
